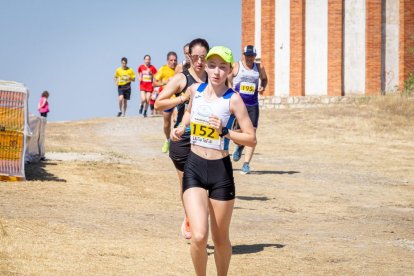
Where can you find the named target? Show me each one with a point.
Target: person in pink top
(43, 105)
(146, 72)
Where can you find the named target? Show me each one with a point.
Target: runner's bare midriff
(210, 154)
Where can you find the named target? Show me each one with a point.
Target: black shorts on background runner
(253, 112)
(125, 90)
(179, 151)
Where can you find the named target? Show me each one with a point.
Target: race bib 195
(247, 88)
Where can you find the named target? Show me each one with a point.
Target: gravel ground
(331, 193)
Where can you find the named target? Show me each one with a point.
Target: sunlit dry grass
(330, 193)
(385, 115)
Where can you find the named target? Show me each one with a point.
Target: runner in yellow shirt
(123, 77)
(163, 76)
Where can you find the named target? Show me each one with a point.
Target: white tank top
(201, 133)
(246, 82)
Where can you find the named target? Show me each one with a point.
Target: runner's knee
(199, 238)
(220, 240)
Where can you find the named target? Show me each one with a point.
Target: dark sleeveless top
(182, 106)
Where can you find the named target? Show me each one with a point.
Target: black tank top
(186, 66)
(181, 107)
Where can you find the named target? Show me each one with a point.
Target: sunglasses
(195, 58)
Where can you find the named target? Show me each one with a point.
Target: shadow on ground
(249, 248)
(37, 172)
(270, 172)
(259, 198)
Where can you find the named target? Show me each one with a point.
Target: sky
(72, 48)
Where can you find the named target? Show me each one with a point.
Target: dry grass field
(331, 193)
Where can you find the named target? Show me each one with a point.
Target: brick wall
(297, 48)
(406, 62)
(373, 47)
(401, 47)
(268, 44)
(335, 48)
(248, 24)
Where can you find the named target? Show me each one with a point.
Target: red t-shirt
(146, 74)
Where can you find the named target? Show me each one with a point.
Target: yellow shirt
(164, 73)
(124, 76)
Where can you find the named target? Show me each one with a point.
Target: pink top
(43, 105)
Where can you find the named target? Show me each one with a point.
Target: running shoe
(237, 153)
(119, 114)
(185, 229)
(246, 168)
(141, 108)
(166, 146)
(145, 113)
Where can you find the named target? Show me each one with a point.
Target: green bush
(409, 86)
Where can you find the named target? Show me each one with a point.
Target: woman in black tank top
(177, 86)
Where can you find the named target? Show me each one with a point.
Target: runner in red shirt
(146, 72)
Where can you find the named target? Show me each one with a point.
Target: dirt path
(332, 192)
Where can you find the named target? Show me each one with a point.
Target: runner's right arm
(116, 77)
(179, 68)
(233, 74)
(139, 71)
(175, 85)
(177, 132)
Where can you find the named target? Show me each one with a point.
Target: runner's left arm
(247, 135)
(233, 73)
(132, 75)
(263, 79)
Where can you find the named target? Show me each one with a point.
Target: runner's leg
(142, 93)
(196, 206)
(147, 100)
(125, 105)
(185, 228)
(180, 178)
(167, 130)
(167, 124)
(121, 100)
(220, 217)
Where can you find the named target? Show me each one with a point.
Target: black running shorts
(216, 176)
(179, 151)
(125, 90)
(253, 112)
